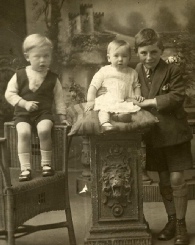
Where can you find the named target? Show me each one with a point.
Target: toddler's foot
(108, 127)
(47, 171)
(25, 175)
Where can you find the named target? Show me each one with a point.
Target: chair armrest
(4, 167)
(66, 147)
(2, 139)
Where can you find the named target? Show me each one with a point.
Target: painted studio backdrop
(87, 27)
(80, 31)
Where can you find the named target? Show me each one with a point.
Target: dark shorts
(171, 158)
(34, 118)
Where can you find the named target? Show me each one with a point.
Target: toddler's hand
(66, 122)
(89, 106)
(139, 98)
(31, 105)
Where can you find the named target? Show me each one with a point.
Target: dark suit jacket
(168, 89)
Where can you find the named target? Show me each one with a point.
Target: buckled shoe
(25, 175)
(47, 171)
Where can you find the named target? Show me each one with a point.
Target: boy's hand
(89, 106)
(139, 98)
(31, 105)
(146, 103)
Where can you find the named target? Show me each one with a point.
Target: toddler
(32, 91)
(121, 83)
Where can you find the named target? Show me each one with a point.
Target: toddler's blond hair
(118, 43)
(36, 40)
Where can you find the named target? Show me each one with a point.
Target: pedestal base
(117, 237)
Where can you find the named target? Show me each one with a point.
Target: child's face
(149, 55)
(39, 58)
(119, 57)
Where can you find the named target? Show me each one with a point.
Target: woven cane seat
(21, 201)
(41, 194)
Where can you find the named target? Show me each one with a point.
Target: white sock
(46, 158)
(24, 159)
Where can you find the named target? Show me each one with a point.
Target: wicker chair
(21, 202)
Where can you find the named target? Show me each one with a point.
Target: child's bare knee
(44, 133)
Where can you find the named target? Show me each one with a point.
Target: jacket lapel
(158, 78)
(144, 88)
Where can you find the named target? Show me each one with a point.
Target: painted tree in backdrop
(50, 10)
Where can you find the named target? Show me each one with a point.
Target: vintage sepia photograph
(97, 122)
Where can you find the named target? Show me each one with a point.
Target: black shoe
(181, 237)
(169, 230)
(48, 171)
(26, 176)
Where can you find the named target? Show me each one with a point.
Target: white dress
(120, 85)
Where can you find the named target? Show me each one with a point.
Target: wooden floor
(81, 211)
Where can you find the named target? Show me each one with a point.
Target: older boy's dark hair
(147, 37)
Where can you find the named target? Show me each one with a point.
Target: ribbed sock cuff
(180, 190)
(24, 159)
(46, 157)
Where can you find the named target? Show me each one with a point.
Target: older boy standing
(168, 146)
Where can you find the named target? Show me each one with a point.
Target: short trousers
(34, 118)
(171, 158)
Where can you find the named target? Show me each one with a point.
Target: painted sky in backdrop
(148, 8)
(131, 15)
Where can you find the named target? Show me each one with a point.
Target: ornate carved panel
(117, 191)
(118, 166)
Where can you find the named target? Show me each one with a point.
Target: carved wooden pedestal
(116, 191)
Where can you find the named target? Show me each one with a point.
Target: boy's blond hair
(118, 43)
(36, 40)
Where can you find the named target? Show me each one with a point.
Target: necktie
(148, 73)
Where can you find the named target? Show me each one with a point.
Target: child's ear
(108, 57)
(26, 56)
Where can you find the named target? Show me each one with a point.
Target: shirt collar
(146, 69)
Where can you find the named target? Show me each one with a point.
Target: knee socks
(46, 158)
(24, 159)
(180, 200)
